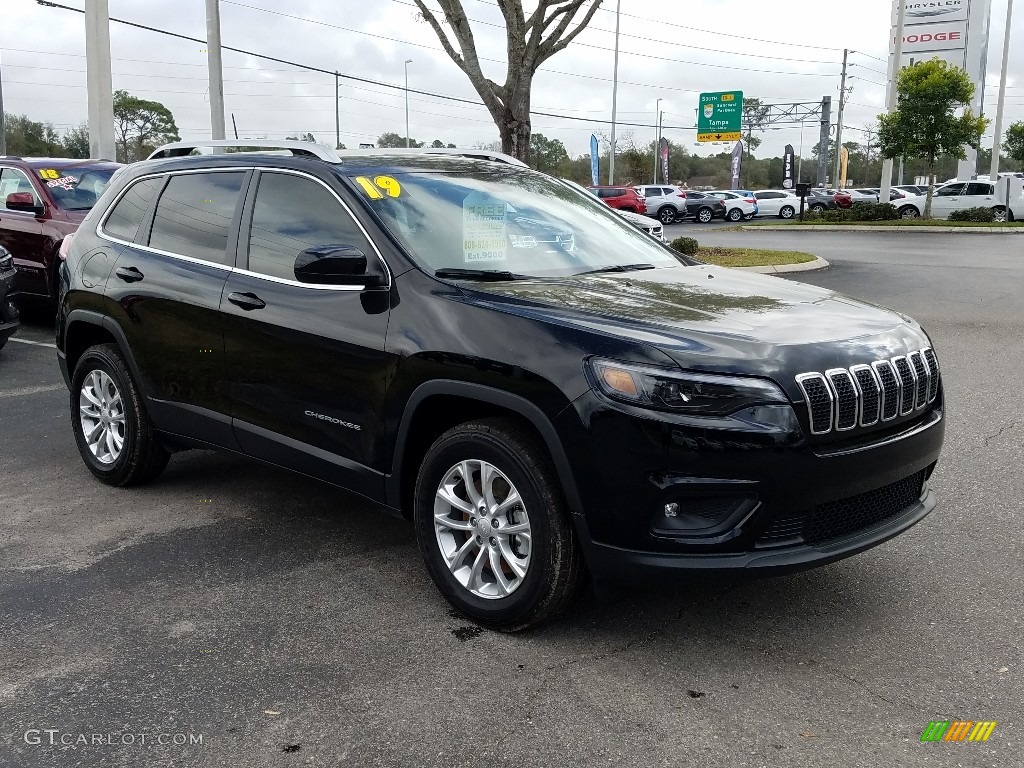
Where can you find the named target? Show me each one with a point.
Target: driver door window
(291, 214)
(13, 180)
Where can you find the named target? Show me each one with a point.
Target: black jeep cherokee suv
(542, 388)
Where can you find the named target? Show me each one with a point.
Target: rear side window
(291, 214)
(978, 189)
(125, 218)
(194, 215)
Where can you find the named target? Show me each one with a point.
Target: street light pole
(615, 94)
(216, 68)
(407, 63)
(894, 70)
(98, 81)
(993, 175)
(657, 137)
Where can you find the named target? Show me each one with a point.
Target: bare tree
(531, 41)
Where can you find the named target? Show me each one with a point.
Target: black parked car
(8, 309)
(703, 208)
(597, 404)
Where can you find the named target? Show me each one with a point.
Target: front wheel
(1001, 214)
(109, 420)
(493, 527)
(735, 214)
(705, 215)
(818, 208)
(787, 212)
(909, 212)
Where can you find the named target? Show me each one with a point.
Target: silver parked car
(664, 202)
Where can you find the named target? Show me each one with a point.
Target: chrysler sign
(938, 10)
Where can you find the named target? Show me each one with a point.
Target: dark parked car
(41, 201)
(703, 208)
(622, 198)
(538, 412)
(8, 307)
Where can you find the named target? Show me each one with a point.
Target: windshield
(505, 219)
(77, 188)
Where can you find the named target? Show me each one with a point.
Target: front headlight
(713, 401)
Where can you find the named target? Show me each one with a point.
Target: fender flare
(90, 317)
(518, 405)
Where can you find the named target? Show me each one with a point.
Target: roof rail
(478, 154)
(306, 148)
(10, 157)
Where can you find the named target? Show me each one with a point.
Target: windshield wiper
(494, 275)
(618, 268)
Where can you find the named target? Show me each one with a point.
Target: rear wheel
(735, 214)
(909, 212)
(109, 420)
(493, 527)
(787, 212)
(667, 214)
(1001, 213)
(705, 215)
(819, 208)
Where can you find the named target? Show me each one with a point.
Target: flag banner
(787, 167)
(664, 160)
(737, 164)
(595, 166)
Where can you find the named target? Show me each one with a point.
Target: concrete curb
(807, 266)
(848, 228)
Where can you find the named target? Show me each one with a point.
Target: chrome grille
(842, 398)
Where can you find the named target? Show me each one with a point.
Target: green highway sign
(720, 116)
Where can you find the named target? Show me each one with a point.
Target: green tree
(1014, 144)
(437, 144)
(31, 138)
(925, 124)
(140, 126)
(392, 140)
(76, 142)
(530, 41)
(755, 118)
(545, 153)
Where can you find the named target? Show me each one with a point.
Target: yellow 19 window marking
(373, 188)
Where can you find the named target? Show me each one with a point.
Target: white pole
(657, 137)
(615, 94)
(407, 63)
(894, 70)
(993, 175)
(98, 80)
(216, 70)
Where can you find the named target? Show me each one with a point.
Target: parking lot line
(35, 343)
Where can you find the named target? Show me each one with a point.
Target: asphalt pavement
(284, 623)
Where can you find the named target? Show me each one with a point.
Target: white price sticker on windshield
(484, 229)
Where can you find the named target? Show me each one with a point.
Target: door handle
(247, 301)
(129, 274)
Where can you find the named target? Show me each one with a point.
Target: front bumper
(9, 315)
(770, 503)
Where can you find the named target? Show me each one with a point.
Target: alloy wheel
(704, 216)
(101, 412)
(482, 529)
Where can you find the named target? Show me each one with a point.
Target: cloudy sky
(780, 52)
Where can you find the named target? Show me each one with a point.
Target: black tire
(667, 214)
(705, 215)
(142, 457)
(787, 212)
(555, 572)
(735, 214)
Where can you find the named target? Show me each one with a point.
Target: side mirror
(335, 265)
(24, 202)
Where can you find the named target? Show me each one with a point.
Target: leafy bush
(973, 214)
(861, 211)
(685, 245)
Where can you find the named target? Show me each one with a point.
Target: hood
(711, 317)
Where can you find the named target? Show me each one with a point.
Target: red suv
(623, 198)
(41, 201)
